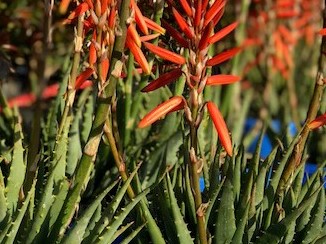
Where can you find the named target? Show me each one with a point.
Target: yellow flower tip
(134, 34)
(173, 104)
(154, 26)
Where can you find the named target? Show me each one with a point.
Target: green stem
(296, 156)
(129, 121)
(195, 169)
(70, 97)
(86, 163)
(154, 231)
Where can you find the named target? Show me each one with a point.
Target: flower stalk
(296, 157)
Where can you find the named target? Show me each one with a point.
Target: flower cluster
(195, 34)
(289, 21)
(100, 23)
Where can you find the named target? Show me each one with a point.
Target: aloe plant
(98, 165)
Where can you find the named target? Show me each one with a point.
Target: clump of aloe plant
(97, 167)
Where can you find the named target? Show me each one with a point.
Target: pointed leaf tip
(161, 110)
(220, 126)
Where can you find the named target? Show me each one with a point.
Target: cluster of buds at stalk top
(195, 31)
(100, 23)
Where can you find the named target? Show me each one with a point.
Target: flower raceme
(194, 31)
(99, 22)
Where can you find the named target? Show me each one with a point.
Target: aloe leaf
(118, 234)
(311, 180)
(225, 224)
(16, 224)
(74, 143)
(164, 205)
(133, 234)
(92, 222)
(59, 199)
(212, 201)
(189, 198)
(321, 240)
(276, 231)
(51, 126)
(3, 201)
(41, 212)
(237, 174)
(297, 184)
(183, 234)
(108, 233)
(59, 160)
(261, 177)
(314, 227)
(76, 234)
(17, 170)
(112, 208)
(305, 217)
(240, 230)
(277, 174)
(87, 119)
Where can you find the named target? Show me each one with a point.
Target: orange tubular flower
(186, 7)
(154, 26)
(192, 17)
(134, 34)
(220, 125)
(217, 6)
(163, 80)
(221, 80)
(139, 56)
(222, 33)
(104, 66)
(165, 54)
(81, 8)
(140, 20)
(175, 34)
(83, 77)
(161, 110)
(64, 6)
(182, 24)
(318, 122)
(222, 57)
(322, 32)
